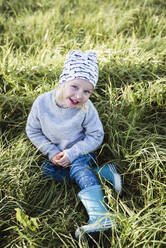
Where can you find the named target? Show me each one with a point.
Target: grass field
(129, 38)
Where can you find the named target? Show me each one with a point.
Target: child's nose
(79, 95)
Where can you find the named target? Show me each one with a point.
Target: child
(65, 126)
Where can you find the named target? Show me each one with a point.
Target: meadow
(129, 38)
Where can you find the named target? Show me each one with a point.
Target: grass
(129, 38)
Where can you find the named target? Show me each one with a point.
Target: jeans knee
(84, 177)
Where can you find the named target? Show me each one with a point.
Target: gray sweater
(53, 129)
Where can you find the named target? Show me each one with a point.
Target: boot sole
(117, 179)
(93, 228)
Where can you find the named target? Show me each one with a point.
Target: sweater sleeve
(94, 135)
(35, 134)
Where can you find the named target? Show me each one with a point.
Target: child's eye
(86, 91)
(74, 87)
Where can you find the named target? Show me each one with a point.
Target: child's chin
(79, 106)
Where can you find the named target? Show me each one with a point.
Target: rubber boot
(99, 219)
(110, 173)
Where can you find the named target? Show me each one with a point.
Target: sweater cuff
(52, 154)
(71, 155)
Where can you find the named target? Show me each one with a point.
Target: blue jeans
(80, 171)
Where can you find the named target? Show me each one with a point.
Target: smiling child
(65, 126)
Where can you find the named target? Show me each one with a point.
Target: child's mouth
(74, 102)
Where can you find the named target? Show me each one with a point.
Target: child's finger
(59, 155)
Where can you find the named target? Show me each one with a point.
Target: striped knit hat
(80, 64)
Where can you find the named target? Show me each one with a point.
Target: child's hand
(61, 159)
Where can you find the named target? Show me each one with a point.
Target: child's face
(76, 92)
